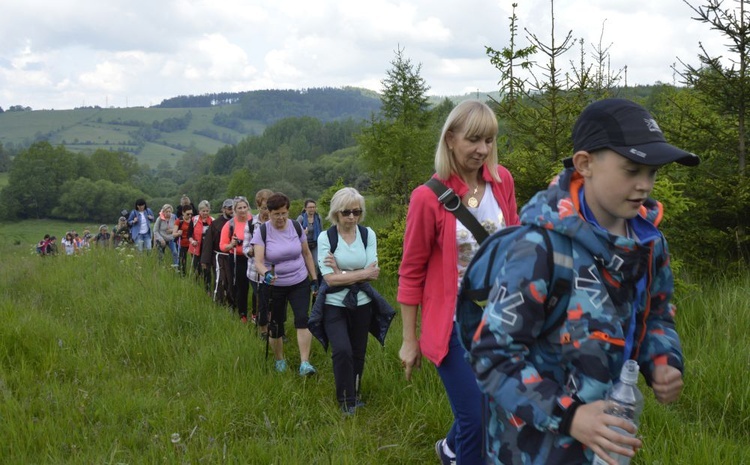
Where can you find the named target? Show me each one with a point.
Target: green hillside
(165, 132)
(87, 130)
(201, 124)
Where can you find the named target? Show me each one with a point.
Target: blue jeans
(465, 436)
(173, 249)
(143, 241)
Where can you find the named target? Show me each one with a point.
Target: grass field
(110, 358)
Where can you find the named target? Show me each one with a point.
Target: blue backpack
(481, 275)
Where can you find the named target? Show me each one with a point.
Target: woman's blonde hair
(262, 195)
(341, 199)
(472, 118)
(166, 207)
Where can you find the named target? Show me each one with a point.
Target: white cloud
(63, 53)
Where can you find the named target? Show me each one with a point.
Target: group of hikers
(258, 265)
(74, 243)
(524, 388)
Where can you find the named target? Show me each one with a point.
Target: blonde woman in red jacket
(200, 223)
(437, 250)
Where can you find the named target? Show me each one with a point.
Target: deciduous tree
(35, 180)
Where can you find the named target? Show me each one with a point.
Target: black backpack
(333, 236)
(263, 231)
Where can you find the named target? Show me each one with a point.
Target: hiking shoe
(445, 459)
(306, 369)
(348, 411)
(243, 319)
(280, 365)
(255, 319)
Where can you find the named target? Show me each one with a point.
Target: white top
(490, 216)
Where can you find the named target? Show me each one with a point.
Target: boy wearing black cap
(546, 388)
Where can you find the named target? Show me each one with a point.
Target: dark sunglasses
(350, 212)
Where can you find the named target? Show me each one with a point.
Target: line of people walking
(258, 265)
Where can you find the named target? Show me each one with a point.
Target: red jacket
(428, 275)
(183, 226)
(198, 233)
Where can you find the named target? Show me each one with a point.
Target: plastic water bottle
(624, 400)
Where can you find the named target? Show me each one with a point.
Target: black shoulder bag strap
(452, 203)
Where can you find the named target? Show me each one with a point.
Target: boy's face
(615, 187)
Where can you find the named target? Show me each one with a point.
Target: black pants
(241, 283)
(298, 297)
(260, 302)
(224, 279)
(347, 332)
(202, 274)
(183, 251)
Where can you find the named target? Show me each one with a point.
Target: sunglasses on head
(350, 212)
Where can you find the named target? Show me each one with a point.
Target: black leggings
(298, 296)
(202, 273)
(241, 283)
(347, 331)
(260, 302)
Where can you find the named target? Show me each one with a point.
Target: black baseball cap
(628, 129)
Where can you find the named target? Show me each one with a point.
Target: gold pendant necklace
(473, 202)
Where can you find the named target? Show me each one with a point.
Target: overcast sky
(67, 53)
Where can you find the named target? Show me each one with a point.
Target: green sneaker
(306, 369)
(280, 365)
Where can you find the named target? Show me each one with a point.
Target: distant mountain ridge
(268, 106)
(200, 124)
(187, 123)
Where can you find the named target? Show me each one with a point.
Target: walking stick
(270, 311)
(268, 334)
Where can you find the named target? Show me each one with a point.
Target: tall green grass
(109, 357)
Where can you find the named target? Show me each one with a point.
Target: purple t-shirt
(284, 250)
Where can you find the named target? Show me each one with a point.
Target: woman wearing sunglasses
(437, 250)
(346, 303)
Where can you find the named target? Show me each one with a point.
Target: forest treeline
(269, 106)
(300, 156)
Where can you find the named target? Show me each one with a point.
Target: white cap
(629, 373)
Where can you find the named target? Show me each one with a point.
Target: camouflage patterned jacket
(530, 378)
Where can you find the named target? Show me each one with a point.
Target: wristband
(567, 419)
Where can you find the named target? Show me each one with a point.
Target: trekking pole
(268, 334)
(256, 298)
(270, 312)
